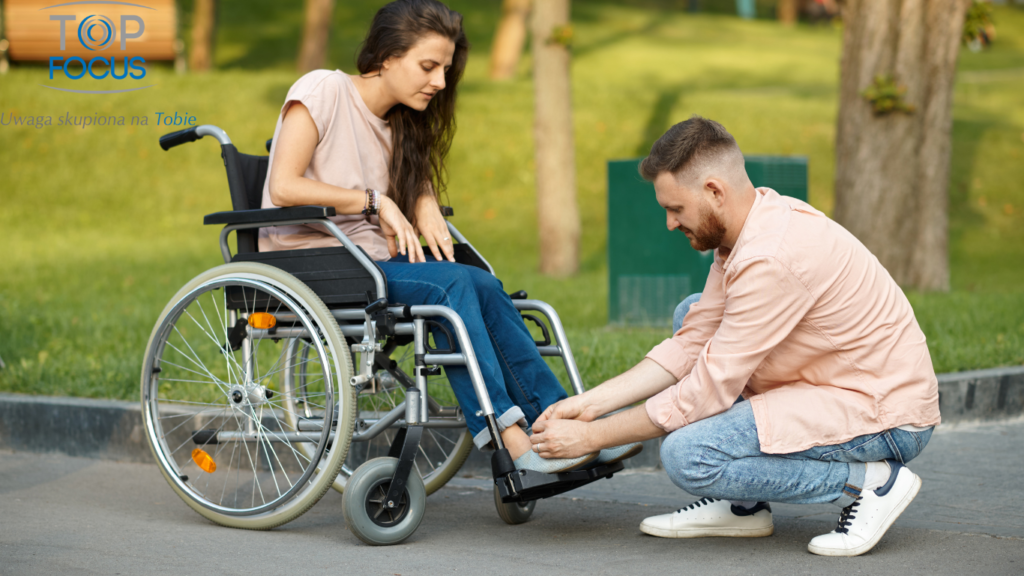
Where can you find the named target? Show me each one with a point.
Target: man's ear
(714, 189)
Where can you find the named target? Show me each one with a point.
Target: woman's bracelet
(372, 205)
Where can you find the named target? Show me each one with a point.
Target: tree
(313, 51)
(786, 12)
(893, 132)
(204, 21)
(509, 39)
(557, 214)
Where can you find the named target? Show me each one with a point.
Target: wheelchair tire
(213, 408)
(363, 504)
(513, 513)
(442, 451)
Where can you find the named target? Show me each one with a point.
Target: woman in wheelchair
(373, 145)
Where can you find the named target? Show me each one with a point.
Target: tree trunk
(509, 39)
(892, 170)
(204, 20)
(557, 214)
(786, 12)
(313, 51)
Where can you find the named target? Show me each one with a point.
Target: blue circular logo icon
(96, 32)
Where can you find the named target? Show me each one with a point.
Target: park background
(101, 227)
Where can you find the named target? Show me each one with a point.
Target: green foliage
(978, 18)
(886, 96)
(101, 227)
(561, 35)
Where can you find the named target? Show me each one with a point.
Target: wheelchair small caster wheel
(514, 512)
(368, 515)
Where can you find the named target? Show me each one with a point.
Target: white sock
(745, 504)
(877, 475)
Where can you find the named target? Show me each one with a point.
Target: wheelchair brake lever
(369, 347)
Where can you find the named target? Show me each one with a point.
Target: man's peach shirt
(806, 323)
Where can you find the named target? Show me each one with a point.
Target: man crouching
(802, 321)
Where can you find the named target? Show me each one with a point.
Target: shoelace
(698, 504)
(846, 516)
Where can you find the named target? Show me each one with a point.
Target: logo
(97, 33)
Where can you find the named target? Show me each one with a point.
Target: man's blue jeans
(720, 457)
(519, 382)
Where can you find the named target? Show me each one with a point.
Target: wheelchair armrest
(269, 215)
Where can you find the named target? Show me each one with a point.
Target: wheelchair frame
(369, 325)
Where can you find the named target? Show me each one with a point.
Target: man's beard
(710, 233)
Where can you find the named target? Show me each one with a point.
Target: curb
(112, 430)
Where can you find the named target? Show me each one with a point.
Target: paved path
(60, 514)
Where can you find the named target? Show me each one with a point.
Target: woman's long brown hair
(420, 140)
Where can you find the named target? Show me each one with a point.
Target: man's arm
(572, 438)
(638, 383)
(766, 303)
(665, 365)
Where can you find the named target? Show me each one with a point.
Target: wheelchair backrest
(246, 176)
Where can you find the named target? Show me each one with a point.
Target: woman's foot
(619, 453)
(532, 461)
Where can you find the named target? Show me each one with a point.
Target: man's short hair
(692, 141)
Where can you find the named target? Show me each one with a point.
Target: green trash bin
(650, 270)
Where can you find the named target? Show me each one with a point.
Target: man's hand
(561, 439)
(572, 438)
(572, 408)
(431, 225)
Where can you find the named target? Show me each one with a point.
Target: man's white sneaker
(712, 517)
(863, 523)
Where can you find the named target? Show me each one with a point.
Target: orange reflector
(262, 320)
(203, 460)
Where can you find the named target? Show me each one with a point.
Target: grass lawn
(102, 227)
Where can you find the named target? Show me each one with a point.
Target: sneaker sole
(865, 547)
(710, 532)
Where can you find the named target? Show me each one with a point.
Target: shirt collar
(748, 225)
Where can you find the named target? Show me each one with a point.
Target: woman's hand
(402, 237)
(432, 226)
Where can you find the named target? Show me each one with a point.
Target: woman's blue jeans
(519, 382)
(720, 457)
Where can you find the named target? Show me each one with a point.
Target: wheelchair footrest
(527, 485)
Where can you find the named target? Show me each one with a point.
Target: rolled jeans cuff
(512, 416)
(854, 485)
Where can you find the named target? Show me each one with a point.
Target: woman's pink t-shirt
(353, 151)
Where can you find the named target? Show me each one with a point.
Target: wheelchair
(276, 376)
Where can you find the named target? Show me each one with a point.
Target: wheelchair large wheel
(366, 511)
(215, 413)
(442, 451)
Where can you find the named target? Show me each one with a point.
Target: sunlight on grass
(102, 227)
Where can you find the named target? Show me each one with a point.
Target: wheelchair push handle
(168, 141)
